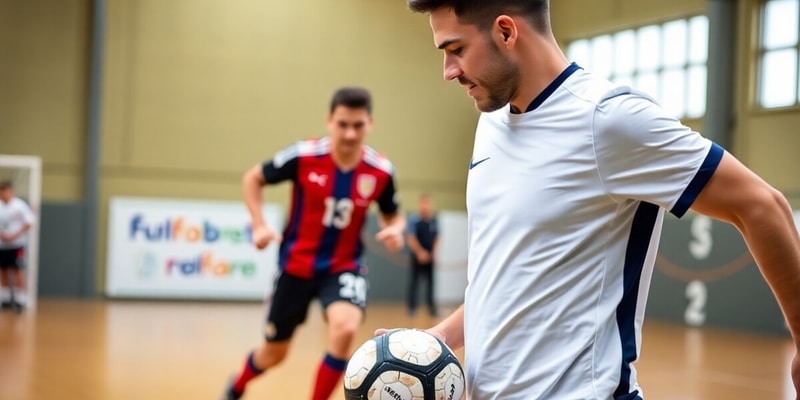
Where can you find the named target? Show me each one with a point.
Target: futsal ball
(404, 364)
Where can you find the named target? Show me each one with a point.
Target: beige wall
(196, 91)
(43, 62)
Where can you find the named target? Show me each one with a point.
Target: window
(778, 48)
(666, 61)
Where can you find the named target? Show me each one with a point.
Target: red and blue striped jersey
(329, 206)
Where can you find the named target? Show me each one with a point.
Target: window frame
(761, 52)
(661, 68)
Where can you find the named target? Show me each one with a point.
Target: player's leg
(267, 355)
(412, 289)
(343, 297)
(428, 271)
(20, 296)
(287, 310)
(7, 259)
(5, 287)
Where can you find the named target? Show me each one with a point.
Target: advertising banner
(187, 249)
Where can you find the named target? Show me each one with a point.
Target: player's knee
(344, 330)
(270, 355)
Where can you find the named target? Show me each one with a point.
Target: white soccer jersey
(13, 215)
(565, 204)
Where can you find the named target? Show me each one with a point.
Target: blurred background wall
(196, 91)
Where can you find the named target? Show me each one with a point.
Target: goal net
(25, 173)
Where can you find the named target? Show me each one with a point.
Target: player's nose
(451, 69)
(350, 133)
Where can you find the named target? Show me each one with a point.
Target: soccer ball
(404, 364)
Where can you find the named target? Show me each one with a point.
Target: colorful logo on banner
(181, 230)
(191, 249)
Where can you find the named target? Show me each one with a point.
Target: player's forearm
(22, 230)
(252, 186)
(394, 221)
(413, 244)
(772, 238)
(451, 329)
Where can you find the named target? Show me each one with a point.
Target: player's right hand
(264, 235)
(391, 237)
(424, 257)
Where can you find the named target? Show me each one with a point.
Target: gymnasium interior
(120, 119)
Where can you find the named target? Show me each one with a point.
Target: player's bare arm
(10, 236)
(451, 329)
(737, 195)
(252, 185)
(392, 228)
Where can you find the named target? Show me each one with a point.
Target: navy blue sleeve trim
(699, 181)
(272, 174)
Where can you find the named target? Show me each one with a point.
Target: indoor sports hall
(127, 125)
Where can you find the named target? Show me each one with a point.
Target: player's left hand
(392, 238)
(6, 237)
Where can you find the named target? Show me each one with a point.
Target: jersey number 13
(337, 212)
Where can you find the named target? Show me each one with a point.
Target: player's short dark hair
(6, 185)
(482, 13)
(352, 97)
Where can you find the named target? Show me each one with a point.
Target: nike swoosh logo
(475, 164)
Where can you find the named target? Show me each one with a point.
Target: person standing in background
(423, 241)
(16, 218)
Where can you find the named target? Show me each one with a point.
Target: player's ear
(504, 31)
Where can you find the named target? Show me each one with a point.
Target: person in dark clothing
(423, 241)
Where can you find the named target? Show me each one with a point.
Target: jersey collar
(538, 100)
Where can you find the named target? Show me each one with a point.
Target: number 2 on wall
(697, 294)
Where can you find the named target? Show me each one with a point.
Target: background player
(565, 197)
(16, 218)
(335, 179)
(423, 241)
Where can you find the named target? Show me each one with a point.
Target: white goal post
(25, 172)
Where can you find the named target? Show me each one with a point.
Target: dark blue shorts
(292, 296)
(12, 258)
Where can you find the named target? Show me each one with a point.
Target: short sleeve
(387, 200)
(283, 166)
(644, 154)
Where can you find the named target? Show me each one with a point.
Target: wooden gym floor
(125, 350)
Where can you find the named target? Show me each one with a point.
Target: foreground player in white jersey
(566, 193)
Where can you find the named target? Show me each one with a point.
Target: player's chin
(351, 146)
